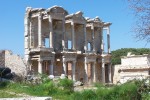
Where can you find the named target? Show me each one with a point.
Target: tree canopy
(123, 52)
(141, 10)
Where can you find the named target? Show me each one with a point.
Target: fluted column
(85, 38)
(73, 37)
(86, 70)
(74, 70)
(102, 41)
(63, 34)
(103, 70)
(40, 66)
(93, 38)
(30, 41)
(40, 30)
(51, 32)
(27, 32)
(94, 72)
(64, 67)
(108, 39)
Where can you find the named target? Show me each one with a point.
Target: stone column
(64, 67)
(103, 70)
(102, 41)
(73, 37)
(109, 73)
(26, 25)
(63, 34)
(93, 38)
(94, 72)
(74, 70)
(28, 62)
(40, 30)
(108, 39)
(51, 32)
(86, 70)
(85, 38)
(51, 67)
(40, 66)
(31, 33)
(27, 31)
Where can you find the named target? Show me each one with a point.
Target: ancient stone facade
(14, 62)
(60, 43)
(132, 67)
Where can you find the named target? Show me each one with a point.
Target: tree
(116, 55)
(141, 10)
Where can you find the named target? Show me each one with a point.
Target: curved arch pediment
(57, 9)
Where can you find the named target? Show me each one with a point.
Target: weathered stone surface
(78, 83)
(57, 42)
(51, 76)
(62, 76)
(132, 67)
(14, 62)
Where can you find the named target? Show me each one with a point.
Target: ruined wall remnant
(132, 67)
(2, 58)
(14, 62)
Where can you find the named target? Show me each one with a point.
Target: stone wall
(134, 60)
(15, 63)
(2, 58)
(116, 76)
(132, 67)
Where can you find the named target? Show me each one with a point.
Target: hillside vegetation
(123, 52)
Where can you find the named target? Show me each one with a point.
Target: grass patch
(6, 94)
(63, 90)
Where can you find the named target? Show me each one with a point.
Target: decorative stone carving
(60, 38)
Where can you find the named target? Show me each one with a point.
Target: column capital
(85, 58)
(64, 60)
(92, 27)
(103, 60)
(40, 60)
(40, 16)
(72, 22)
(50, 18)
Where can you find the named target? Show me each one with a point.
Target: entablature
(76, 18)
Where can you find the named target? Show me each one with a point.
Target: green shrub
(116, 54)
(128, 91)
(50, 88)
(88, 95)
(66, 84)
(3, 84)
(76, 96)
(99, 85)
(102, 93)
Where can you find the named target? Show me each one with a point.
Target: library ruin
(57, 42)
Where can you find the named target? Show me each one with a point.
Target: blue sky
(115, 11)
